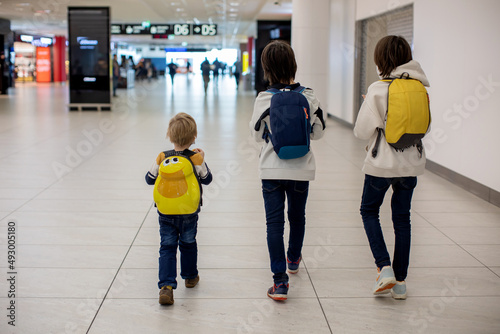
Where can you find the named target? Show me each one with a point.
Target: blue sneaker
(293, 267)
(399, 290)
(385, 281)
(278, 291)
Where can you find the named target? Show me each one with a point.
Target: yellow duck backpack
(177, 188)
(408, 114)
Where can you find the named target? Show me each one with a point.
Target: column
(59, 57)
(250, 50)
(310, 42)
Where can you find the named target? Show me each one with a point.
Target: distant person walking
(131, 63)
(217, 66)
(172, 68)
(140, 70)
(116, 73)
(237, 69)
(4, 79)
(205, 71)
(149, 69)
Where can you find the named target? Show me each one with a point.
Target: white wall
(342, 49)
(158, 52)
(144, 53)
(458, 47)
(368, 8)
(457, 43)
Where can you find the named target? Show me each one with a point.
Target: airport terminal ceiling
(235, 19)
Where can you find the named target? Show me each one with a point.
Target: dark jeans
(274, 192)
(237, 78)
(177, 231)
(115, 84)
(373, 195)
(206, 80)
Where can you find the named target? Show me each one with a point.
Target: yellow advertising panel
(244, 62)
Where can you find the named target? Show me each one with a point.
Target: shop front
(24, 62)
(39, 59)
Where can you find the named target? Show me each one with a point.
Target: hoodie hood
(414, 69)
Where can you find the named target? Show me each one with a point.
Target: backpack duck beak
(176, 187)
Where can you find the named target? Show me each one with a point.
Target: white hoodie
(271, 167)
(388, 162)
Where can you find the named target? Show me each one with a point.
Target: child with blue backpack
(285, 118)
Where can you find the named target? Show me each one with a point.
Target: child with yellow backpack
(178, 175)
(393, 117)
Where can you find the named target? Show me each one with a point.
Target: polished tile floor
(87, 235)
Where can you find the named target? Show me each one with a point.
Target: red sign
(43, 66)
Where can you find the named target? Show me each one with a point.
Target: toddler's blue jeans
(177, 231)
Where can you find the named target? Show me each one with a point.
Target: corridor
(86, 231)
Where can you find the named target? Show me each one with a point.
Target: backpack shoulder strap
(169, 153)
(405, 75)
(264, 115)
(266, 112)
(377, 143)
(186, 153)
(300, 89)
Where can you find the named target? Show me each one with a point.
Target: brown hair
(390, 52)
(278, 62)
(182, 129)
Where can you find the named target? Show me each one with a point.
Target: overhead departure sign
(136, 29)
(205, 29)
(161, 30)
(116, 29)
(182, 29)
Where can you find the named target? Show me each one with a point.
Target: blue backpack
(290, 124)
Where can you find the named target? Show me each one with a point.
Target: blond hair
(182, 129)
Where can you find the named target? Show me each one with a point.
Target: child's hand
(200, 151)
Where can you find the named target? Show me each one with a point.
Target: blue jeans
(373, 195)
(177, 231)
(274, 192)
(115, 84)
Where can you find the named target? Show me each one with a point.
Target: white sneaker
(399, 290)
(385, 281)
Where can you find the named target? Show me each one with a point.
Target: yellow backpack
(408, 114)
(177, 188)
